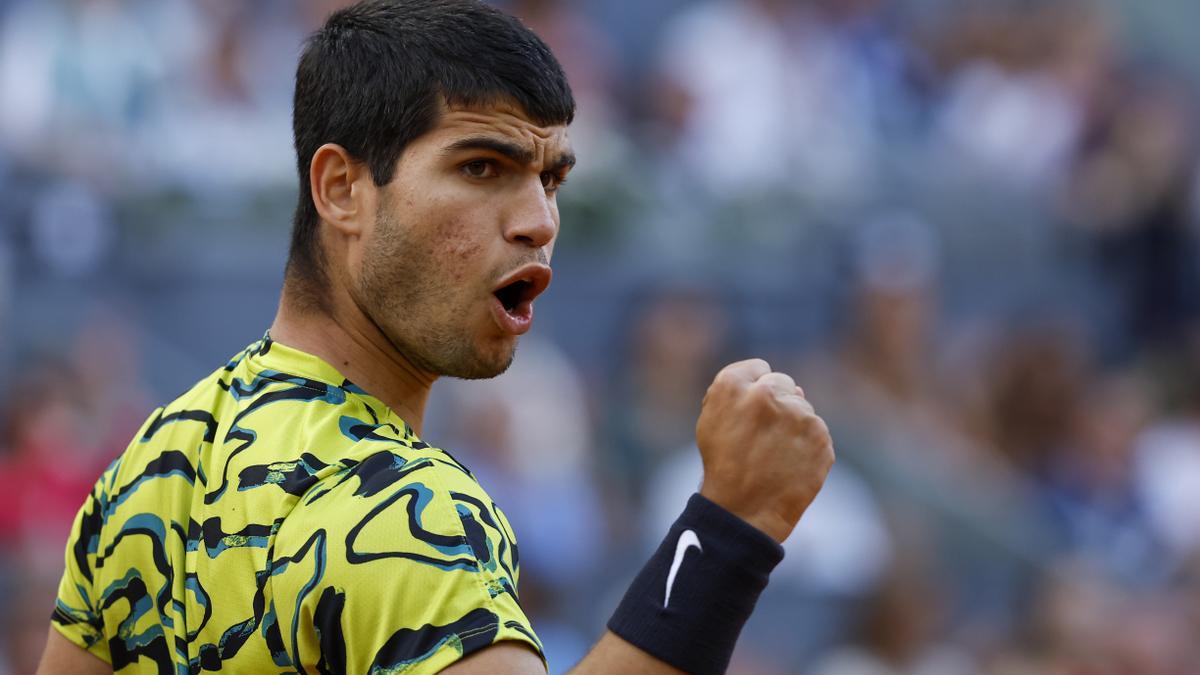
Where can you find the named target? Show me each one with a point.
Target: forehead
(501, 120)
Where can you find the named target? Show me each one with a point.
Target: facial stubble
(420, 309)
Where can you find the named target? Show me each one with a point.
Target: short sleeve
(395, 566)
(77, 613)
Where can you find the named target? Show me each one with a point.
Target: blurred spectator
(678, 337)
(1080, 622)
(77, 77)
(71, 229)
(1036, 373)
(766, 95)
(134, 93)
(885, 393)
(1020, 83)
(47, 473)
(900, 629)
(221, 120)
(1090, 487)
(1167, 459)
(65, 421)
(1131, 197)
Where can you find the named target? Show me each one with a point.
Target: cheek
(447, 233)
(460, 247)
(456, 241)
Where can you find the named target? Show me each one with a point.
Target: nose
(533, 218)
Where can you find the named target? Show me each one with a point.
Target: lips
(512, 299)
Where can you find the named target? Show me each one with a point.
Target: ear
(342, 189)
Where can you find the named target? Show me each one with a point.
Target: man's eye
(480, 168)
(552, 181)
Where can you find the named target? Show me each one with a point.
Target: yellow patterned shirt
(276, 518)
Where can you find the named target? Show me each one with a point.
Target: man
(279, 518)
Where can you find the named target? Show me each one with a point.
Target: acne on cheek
(458, 245)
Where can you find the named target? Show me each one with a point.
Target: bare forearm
(614, 655)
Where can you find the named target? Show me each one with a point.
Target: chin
(483, 366)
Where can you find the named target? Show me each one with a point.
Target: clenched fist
(766, 452)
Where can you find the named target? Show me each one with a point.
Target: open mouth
(515, 295)
(512, 295)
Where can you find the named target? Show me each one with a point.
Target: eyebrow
(515, 152)
(565, 161)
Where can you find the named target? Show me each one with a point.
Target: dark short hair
(374, 77)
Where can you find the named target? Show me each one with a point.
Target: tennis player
(284, 515)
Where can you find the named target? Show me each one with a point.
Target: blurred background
(970, 229)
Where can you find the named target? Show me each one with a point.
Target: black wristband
(688, 604)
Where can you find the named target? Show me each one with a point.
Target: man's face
(462, 240)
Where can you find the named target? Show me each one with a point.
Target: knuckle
(760, 392)
(808, 422)
(724, 381)
(751, 369)
(730, 373)
(815, 433)
(757, 364)
(782, 379)
(819, 425)
(807, 406)
(793, 421)
(813, 422)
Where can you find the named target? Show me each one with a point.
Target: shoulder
(411, 501)
(409, 553)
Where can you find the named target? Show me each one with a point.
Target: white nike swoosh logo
(687, 539)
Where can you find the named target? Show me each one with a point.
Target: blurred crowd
(971, 230)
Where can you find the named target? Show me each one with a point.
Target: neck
(347, 339)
